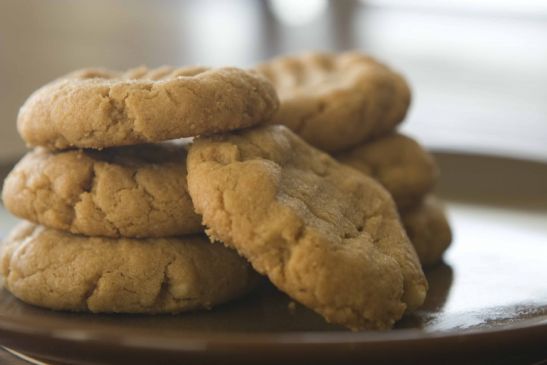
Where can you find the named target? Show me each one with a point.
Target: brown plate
(488, 301)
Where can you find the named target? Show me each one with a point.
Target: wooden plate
(488, 301)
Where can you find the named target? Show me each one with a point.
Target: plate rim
(12, 326)
(329, 347)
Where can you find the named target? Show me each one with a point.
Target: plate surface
(488, 300)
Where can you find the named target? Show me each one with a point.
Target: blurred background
(478, 68)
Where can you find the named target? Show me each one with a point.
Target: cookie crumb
(292, 307)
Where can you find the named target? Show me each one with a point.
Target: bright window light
(295, 13)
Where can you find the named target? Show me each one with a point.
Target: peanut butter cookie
(324, 233)
(132, 191)
(336, 101)
(428, 229)
(100, 108)
(399, 163)
(62, 271)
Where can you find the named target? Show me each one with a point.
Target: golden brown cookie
(324, 233)
(100, 108)
(428, 229)
(336, 101)
(62, 271)
(399, 163)
(133, 191)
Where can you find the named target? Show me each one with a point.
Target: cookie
(324, 233)
(336, 101)
(428, 229)
(132, 191)
(399, 163)
(62, 271)
(100, 108)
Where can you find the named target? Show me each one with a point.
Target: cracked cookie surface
(324, 233)
(61, 271)
(335, 101)
(133, 191)
(399, 163)
(101, 108)
(428, 228)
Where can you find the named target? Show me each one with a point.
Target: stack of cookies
(118, 213)
(110, 225)
(350, 105)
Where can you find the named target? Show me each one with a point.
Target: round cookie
(428, 230)
(336, 101)
(133, 191)
(100, 108)
(399, 163)
(62, 271)
(324, 233)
